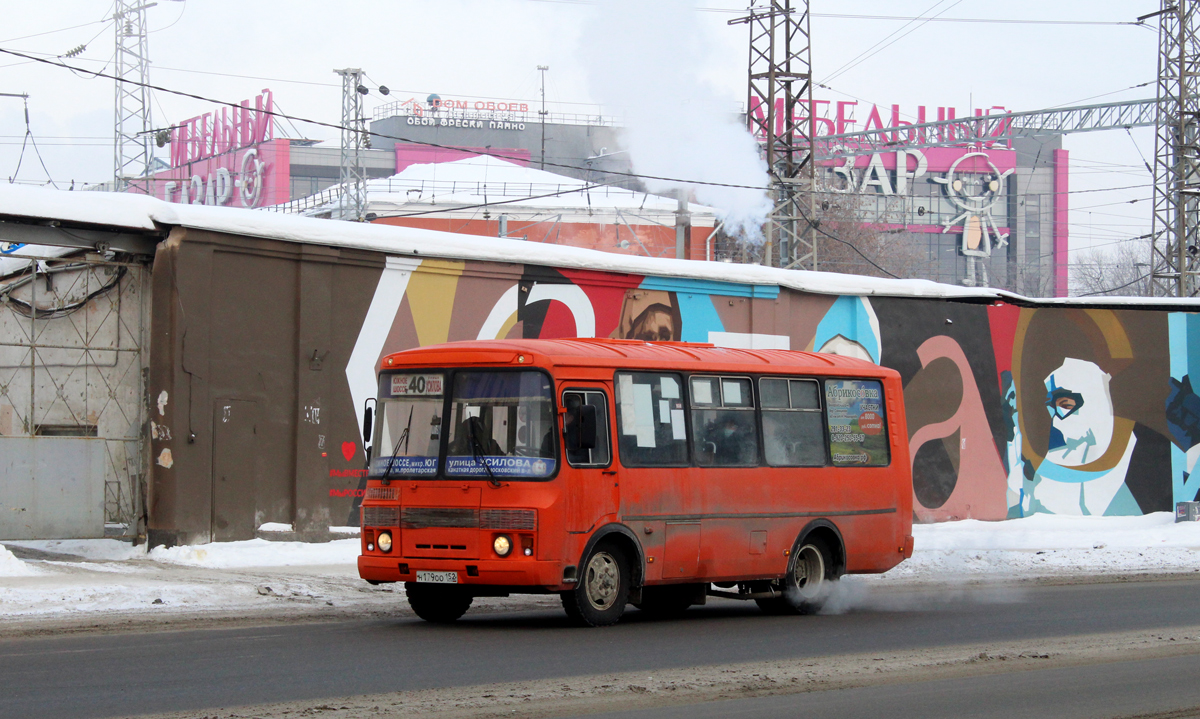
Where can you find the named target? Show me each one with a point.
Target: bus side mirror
(585, 421)
(368, 421)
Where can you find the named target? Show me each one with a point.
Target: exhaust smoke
(647, 62)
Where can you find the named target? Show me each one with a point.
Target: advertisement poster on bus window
(856, 427)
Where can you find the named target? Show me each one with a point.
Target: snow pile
(10, 566)
(274, 527)
(259, 553)
(111, 550)
(1045, 545)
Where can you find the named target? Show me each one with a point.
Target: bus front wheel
(599, 597)
(808, 581)
(437, 603)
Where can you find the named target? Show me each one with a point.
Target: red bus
(617, 472)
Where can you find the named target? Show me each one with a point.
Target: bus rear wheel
(600, 595)
(807, 584)
(436, 603)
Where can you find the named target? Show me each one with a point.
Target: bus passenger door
(591, 475)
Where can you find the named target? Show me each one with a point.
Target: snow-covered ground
(57, 579)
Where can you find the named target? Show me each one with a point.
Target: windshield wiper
(478, 456)
(403, 439)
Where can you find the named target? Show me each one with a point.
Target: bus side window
(857, 423)
(599, 455)
(725, 433)
(651, 430)
(793, 435)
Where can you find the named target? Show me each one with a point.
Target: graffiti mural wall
(1012, 410)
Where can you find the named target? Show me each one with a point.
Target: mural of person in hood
(1082, 427)
(1090, 388)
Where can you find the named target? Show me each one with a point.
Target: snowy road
(327, 664)
(98, 629)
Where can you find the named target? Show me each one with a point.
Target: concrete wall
(266, 351)
(72, 399)
(250, 340)
(52, 487)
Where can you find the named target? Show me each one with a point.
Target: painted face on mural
(654, 324)
(1081, 413)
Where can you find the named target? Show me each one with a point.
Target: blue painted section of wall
(726, 289)
(1183, 333)
(699, 317)
(848, 317)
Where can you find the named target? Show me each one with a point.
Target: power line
(867, 54)
(1114, 289)
(335, 126)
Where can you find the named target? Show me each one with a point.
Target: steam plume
(645, 62)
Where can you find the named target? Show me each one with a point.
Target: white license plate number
(438, 577)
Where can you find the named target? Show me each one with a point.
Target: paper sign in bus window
(628, 413)
(643, 410)
(678, 432)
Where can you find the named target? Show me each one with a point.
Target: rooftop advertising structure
(227, 157)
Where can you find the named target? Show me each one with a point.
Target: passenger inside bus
(483, 442)
(729, 440)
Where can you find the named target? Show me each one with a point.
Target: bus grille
(423, 517)
(380, 516)
(384, 493)
(467, 518)
(507, 519)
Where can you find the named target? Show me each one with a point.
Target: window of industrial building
(1033, 216)
(65, 430)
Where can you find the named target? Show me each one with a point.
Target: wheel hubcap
(603, 581)
(810, 571)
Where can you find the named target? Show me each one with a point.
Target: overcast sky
(490, 48)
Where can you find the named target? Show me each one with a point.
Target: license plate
(438, 577)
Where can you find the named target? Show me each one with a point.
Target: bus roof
(629, 354)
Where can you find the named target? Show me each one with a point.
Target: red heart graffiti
(349, 449)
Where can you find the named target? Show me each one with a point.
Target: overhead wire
(335, 126)
(881, 45)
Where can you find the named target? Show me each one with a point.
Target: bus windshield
(503, 419)
(410, 425)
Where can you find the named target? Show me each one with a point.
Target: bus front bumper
(514, 572)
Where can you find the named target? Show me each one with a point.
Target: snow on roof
(476, 180)
(132, 211)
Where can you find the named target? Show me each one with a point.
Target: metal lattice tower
(780, 72)
(353, 204)
(132, 137)
(1177, 153)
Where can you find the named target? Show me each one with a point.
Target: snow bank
(1046, 546)
(88, 549)
(259, 553)
(1044, 531)
(10, 566)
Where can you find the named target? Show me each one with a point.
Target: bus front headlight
(502, 544)
(385, 541)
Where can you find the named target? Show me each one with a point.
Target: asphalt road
(122, 674)
(1145, 689)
